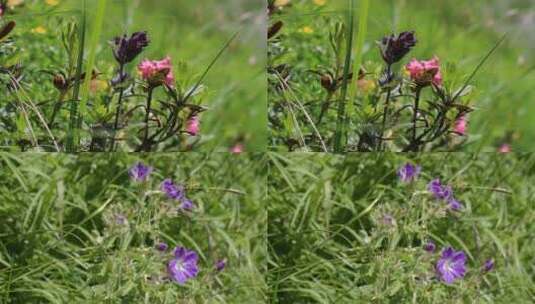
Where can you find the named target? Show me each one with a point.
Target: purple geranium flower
(430, 246)
(440, 191)
(171, 190)
(184, 266)
(139, 172)
(452, 265)
(220, 265)
(409, 172)
(489, 265)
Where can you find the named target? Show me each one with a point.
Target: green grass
(192, 33)
(460, 33)
(60, 241)
(328, 241)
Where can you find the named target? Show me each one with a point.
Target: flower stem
(415, 114)
(147, 115)
(118, 111)
(387, 103)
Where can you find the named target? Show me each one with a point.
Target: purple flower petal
(139, 172)
(409, 173)
(183, 266)
(452, 265)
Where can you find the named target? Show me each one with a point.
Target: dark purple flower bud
(451, 266)
(120, 219)
(454, 204)
(139, 172)
(127, 49)
(161, 246)
(394, 48)
(388, 220)
(220, 265)
(171, 190)
(186, 204)
(430, 247)
(184, 266)
(409, 173)
(440, 191)
(489, 265)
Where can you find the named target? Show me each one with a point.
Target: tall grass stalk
(93, 43)
(72, 132)
(342, 119)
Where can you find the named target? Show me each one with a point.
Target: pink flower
(237, 149)
(193, 126)
(504, 148)
(461, 125)
(157, 72)
(425, 73)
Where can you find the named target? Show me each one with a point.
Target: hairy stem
(118, 110)
(147, 115)
(385, 112)
(415, 114)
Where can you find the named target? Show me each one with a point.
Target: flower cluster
(157, 72)
(183, 265)
(451, 265)
(394, 48)
(177, 193)
(443, 192)
(425, 72)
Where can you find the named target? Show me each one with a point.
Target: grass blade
(91, 57)
(347, 63)
(72, 132)
(342, 120)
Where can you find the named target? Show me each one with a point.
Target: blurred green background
(459, 32)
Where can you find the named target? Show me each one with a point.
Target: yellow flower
(320, 2)
(52, 2)
(39, 30)
(282, 2)
(307, 30)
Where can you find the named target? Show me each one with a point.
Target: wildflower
(121, 219)
(460, 125)
(439, 191)
(306, 30)
(139, 172)
(193, 126)
(162, 246)
(127, 49)
(489, 265)
(388, 220)
(237, 148)
(186, 204)
(504, 148)
(157, 72)
(454, 204)
(394, 48)
(171, 190)
(39, 30)
(425, 73)
(184, 266)
(430, 246)
(220, 265)
(409, 172)
(452, 265)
